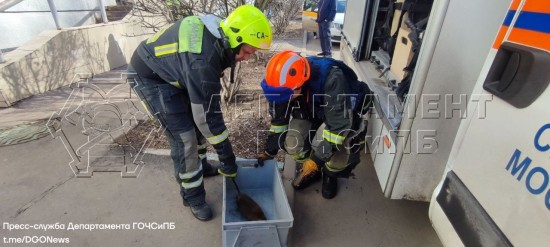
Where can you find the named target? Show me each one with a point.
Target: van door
(496, 191)
(358, 16)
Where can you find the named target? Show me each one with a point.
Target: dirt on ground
(246, 116)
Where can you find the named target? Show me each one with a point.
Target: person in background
(325, 16)
(179, 70)
(317, 99)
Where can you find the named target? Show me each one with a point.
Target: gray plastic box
(265, 187)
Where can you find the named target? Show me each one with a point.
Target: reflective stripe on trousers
(340, 159)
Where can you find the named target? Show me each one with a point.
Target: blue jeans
(324, 37)
(171, 107)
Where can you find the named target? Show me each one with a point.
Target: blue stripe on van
(509, 17)
(539, 22)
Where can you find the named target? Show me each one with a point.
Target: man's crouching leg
(339, 166)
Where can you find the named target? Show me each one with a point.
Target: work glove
(262, 157)
(324, 151)
(228, 170)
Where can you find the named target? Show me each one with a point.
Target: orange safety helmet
(287, 69)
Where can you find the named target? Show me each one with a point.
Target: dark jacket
(197, 72)
(332, 95)
(327, 11)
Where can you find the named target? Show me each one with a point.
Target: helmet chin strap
(232, 75)
(230, 53)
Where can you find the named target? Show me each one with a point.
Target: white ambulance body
(473, 134)
(496, 191)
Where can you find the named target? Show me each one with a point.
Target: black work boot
(309, 174)
(208, 170)
(202, 211)
(330, 186)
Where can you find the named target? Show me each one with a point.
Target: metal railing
(53, 9)
(6, 4)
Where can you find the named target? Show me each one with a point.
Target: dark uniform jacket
(190, 55)
(332, 95)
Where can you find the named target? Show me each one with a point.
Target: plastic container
(265, 187)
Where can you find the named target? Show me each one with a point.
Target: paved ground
(39, 187)
(360, 216)
(313, 46)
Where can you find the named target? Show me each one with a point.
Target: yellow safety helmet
(247, 24)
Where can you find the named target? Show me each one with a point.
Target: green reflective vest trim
(158, 34)
(190, 35)
(166, 49)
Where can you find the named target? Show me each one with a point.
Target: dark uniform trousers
(172, 108)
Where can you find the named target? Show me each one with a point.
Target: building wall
(57, 58)
(25, 20)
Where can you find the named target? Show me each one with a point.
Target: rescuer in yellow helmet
(178, 75)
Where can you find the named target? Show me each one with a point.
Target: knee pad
(293, 142)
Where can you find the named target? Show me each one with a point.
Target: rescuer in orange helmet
(317, 99)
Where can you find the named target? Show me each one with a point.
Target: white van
(496, 188)
(462, 112)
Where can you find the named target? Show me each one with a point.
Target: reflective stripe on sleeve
(166, 49)
(158, 34)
